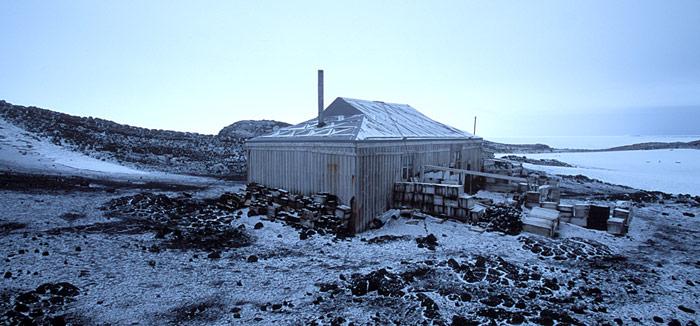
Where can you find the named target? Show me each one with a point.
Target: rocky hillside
(658, 145)
(494, 147)
(219, 155)
(249, 128)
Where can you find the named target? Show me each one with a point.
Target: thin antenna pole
(474, 125)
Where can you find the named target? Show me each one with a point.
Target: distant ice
(592, 142)
(667, 170)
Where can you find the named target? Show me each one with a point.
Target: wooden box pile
(432, 198)
(580, 216)
(598, 217)
(542, 221)
(322, 210)
(532, 199)
(566, 212)
(619, 223)
(615, 220)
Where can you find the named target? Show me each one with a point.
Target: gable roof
(356, 120)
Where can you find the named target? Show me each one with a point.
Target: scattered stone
(182, 222)
(258, 226)
(41, 306)
(382, 281)
(214, 255)
(429, 242)
(686, 309)
(658, 319)
(252, 258)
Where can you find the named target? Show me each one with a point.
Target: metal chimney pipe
(320, 99)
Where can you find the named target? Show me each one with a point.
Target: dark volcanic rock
(428, 242)
(41, 306)
(182, 222)
(382, 281)
(686, 309)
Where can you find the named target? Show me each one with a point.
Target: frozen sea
(668, 170)
(592, 142)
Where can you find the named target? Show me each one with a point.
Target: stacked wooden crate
(614, 219)
(431, 198)
(619, 223)
(580, 216)
(566, 212)
(542, 221)
(321, 210)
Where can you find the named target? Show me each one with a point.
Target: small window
(407, 167)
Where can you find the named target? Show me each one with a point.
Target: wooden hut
(357, 149)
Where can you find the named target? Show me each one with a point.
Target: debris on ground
(565, 249)
(41, 306)
(322, 213)
(183, 222)
(502, 218)
(429, 242)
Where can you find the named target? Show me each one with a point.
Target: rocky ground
(525, 159)
(199, 255)
(220, 155)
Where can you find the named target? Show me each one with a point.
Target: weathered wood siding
(363, 170)
(304, 168)
(380, 165)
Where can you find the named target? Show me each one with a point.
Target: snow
(593, 142)
(667, 170)
(20, 148)
(22, 151)
(353, 119)
(125, 289)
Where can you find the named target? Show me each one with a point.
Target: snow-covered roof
(353, 119)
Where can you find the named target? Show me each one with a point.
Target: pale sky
(523, 67)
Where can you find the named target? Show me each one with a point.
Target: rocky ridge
(219, 155)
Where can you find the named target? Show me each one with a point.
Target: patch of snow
(20, 148)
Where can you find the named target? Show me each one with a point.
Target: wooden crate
(452, 192)
(466, 201)
(549, 205)
(452, 203)
(565, 208)
(461, 212)
(581, 210)
(616, 226)
(539, 226)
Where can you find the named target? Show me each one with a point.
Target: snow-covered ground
(24, 152)
(668, 170)
(592, 142)
(19, 148)
(122, 282)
